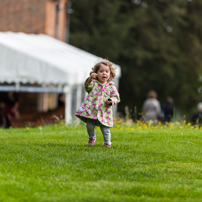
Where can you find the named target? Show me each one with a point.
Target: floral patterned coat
(95, 105)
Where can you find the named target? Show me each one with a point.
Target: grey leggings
(91, 123)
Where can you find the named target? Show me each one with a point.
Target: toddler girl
(97, 107)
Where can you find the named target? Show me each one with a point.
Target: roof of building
(41, 59)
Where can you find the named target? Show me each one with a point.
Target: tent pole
(68, 105)
(79, 94)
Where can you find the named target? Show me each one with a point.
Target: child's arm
(88, 84)
(114, 97)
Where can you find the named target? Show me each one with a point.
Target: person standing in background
(151, 107)
(197, 116)
(168, 109)
(10, 110)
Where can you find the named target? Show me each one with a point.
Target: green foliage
(145, 163)
(157, 44)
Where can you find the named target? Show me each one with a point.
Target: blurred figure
(61, 100)
(167, 109)
(10, 110)
(61, 105)
(151, 107)
(1, 115)
(197, 117)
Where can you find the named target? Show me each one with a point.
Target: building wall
(22, 16)
(34, 16)
(55, 23)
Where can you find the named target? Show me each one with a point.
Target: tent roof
(41, 59)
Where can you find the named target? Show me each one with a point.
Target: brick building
(34, 16)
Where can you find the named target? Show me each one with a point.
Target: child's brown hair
(106, 62)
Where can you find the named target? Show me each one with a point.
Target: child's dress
(95, 105)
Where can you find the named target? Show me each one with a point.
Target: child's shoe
(107, 145)
(91, 141)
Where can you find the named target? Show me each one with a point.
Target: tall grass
(146, 163)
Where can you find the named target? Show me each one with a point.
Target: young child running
(96, 110)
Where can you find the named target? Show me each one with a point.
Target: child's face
(103, 74)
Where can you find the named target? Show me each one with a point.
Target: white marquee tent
(48, 62)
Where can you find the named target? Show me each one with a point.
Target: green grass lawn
(145, 163)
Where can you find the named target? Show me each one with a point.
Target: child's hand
(93, 75)
(109, 101)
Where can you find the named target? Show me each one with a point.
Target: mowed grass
(145, 163)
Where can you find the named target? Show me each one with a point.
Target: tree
(150, 40)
